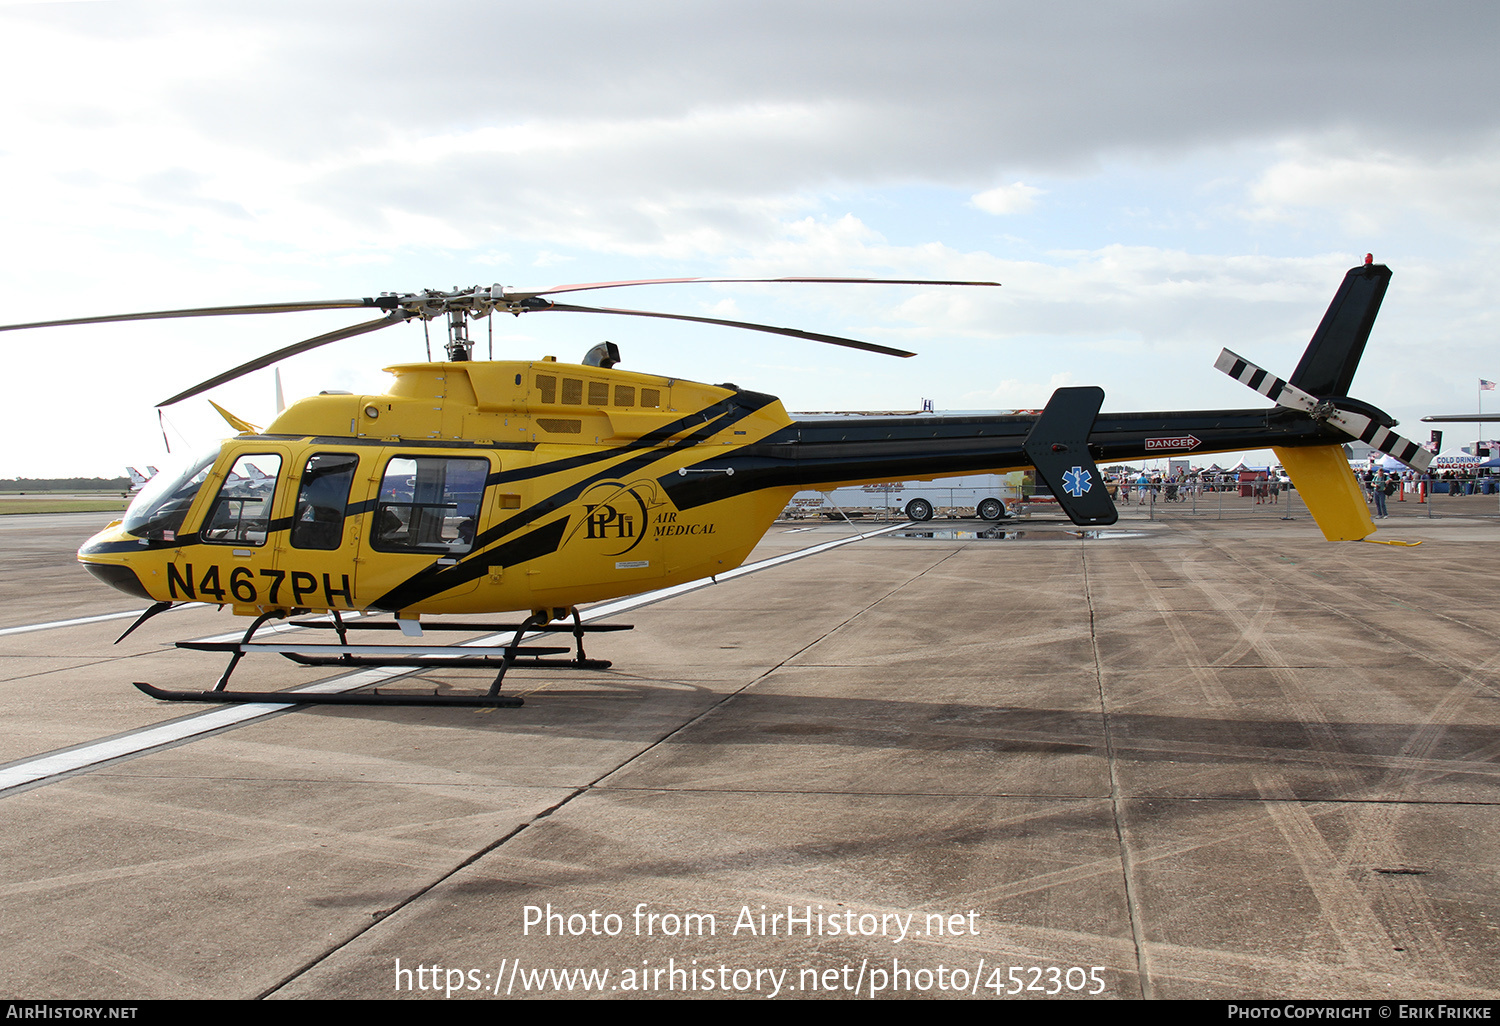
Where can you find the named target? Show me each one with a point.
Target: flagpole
(1484, 386)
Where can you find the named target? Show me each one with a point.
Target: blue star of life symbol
(1077, 481)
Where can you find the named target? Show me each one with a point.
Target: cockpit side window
(158, 511)
(322, 498)
(429, 504)
(241, 515)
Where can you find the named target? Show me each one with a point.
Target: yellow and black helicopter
(476, 487)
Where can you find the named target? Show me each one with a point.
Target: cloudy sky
(1150, 181)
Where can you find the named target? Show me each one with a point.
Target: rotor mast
(460, 346)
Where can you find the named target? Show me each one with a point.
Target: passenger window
(241, 515)
(318, 521)
(429, 504)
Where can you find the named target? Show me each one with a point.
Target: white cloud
(1016, 198)
(1013, 394)
(1371, 190)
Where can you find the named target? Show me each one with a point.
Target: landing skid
(319, 698)
(499, 657)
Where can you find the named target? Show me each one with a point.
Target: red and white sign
(1177, 442)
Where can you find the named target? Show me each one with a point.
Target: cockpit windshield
(158, 511)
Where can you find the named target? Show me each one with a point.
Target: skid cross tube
(239, 652)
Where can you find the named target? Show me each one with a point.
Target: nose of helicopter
(109, 554)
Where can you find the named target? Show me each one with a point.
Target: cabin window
(429, 504)
(322, 499)
(241, 515)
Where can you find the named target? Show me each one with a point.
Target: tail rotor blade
(1382, 438)
(1282, 393)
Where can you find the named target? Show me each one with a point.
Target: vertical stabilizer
(1328, 365)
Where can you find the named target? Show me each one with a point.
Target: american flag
(1486, 386)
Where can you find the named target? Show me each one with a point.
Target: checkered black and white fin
(1284, 393)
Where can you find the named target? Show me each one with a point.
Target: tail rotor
(1356, 425)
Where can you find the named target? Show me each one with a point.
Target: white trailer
(987, 496)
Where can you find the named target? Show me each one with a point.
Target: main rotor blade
(394, 317)
(739, 281)
(206, 311)
(812, 336)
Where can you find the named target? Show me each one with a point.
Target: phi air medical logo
(1077, 481)
(616, 514)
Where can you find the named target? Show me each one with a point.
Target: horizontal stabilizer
(1058, 446)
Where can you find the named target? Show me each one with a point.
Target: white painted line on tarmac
(94, 753)
(88, 619)
(27, 772)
